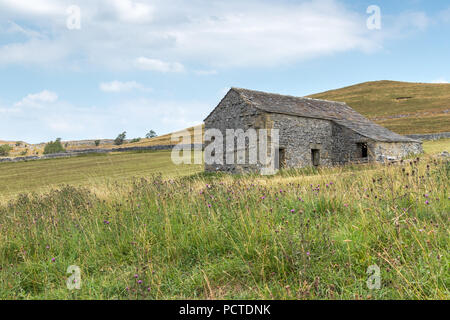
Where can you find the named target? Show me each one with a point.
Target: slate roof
(338, 112)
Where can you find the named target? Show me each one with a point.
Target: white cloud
(133, 12)
(37, 99)
(118, 86)
(148, 64)
(35, 7)
(208, 34)
(440, 80)
(266, 33)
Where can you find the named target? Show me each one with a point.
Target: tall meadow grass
(302, 234)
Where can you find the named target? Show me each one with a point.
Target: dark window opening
(364, 150)
(315, 157)
(281, 158)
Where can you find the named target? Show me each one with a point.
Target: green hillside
(402, 107)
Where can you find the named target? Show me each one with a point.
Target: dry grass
(437, 146)
(402, 107)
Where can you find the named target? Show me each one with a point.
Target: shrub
(135, 140)
(120, 138)
(54, 147)
(4, 150)
(97, 143)
(151, 134)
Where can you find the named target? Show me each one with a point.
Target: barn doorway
(281, 158)
(315, 157)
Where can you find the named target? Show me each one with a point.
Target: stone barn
(312, 132)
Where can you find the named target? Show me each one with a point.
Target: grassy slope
(94, 170)
(422, 112)
(167, 138)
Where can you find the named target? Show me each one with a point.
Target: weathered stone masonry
(330, 132)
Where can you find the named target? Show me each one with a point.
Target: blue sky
(136, 65)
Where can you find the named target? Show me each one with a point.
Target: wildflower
(148, 289)
(139, 281)
(53, 259)
(345, 205)
(263, 197)
(307, 253)
(105, 221)
(209, 205)
(136, 276)
(427, 202)
(292, 210)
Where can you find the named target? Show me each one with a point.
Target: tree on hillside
(120, 138)
(4, 150)
(54, 147)
(151, 134)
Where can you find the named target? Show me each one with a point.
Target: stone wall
(429, 136)
(299, 135)
(346, 148)
(387, 151)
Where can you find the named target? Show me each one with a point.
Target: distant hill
(402, 107)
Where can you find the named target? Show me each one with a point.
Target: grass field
(402, 107)
(95, 170)
(301, 234)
